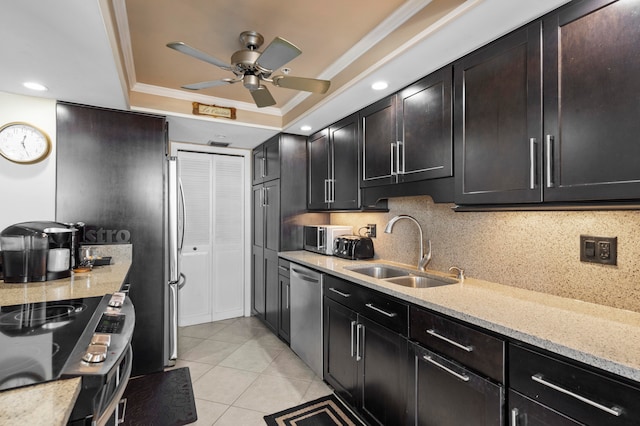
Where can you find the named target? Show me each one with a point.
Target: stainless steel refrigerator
(113, 174)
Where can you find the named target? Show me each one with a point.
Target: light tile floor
(241, 371)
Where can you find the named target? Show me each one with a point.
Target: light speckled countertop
(600, 336)
(51, 403)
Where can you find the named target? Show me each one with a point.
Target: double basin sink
(403, 277)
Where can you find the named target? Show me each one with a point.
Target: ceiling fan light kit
(252, 67)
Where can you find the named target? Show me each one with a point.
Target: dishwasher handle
(304, 276)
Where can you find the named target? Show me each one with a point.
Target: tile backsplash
(539, 251)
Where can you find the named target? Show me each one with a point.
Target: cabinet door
(340, 368)
(382, 372)
(284, 320)
(258, 165)
(345, 168)
(525, 412)
(318, 151)
(445, 394)
(272, 158)
(272, 215)
(498, 122)
(378, 125)
(425, 127)
(271, 286)
(591, 101)
(258, 215)
(257, 281)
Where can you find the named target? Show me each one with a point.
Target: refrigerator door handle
(174, 273)
(184, 216)
(173, 323)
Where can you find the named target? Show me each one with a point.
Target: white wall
(28, 192)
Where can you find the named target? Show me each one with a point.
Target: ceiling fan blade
(277, 53)
(262, 97)
(206, 84)
(301, 83)
(191, 51)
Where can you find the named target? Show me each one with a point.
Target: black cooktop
(37, 338)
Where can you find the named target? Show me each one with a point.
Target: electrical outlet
(599, 249)
(371, 230)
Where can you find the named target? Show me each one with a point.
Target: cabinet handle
(385, 313)
(533, 155)
(263, 165)
(326, 191)
(266, 197)
(359, 344)
(283, 268)
(399, 145)
(288, 306)
(393, 151)
(353, 325)
(550, 183)
(514, 416)
(462, 377)
(434, 333)
(331, 190)
(615, 411)
(339, 292)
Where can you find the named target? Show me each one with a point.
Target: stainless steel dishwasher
(306, 316)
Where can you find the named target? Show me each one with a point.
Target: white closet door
(228, 237)
(194, 299)
(213, 252)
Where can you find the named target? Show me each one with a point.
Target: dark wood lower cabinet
(284, 312)
(526, 412)
(443, 393)
(365, 363)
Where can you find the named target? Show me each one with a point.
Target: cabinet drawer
(384, 310)
(342, 291)
(473, 348)
(581, 394)
(283, 267)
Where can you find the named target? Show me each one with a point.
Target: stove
(86, 337)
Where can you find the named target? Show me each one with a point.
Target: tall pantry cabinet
(279, 212)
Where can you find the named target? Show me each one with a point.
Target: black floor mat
(163, 399)
(325, 411)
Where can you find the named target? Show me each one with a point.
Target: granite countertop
(600, 336)
(51, 403)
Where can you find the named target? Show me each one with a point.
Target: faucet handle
(459, 272)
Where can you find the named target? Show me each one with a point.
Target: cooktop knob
(95, 354)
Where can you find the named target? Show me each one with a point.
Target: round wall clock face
(23, 143)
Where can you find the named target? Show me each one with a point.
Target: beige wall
(533, 250)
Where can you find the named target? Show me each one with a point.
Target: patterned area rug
(164, 398)
(325, 411)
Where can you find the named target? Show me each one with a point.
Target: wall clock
(23, 143)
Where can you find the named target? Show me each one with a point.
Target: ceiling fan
(252, 67)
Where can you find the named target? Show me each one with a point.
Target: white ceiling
(68, 46)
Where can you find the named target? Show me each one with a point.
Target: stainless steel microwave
(319, 238)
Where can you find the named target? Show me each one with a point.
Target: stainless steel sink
(380, 271)
(403, 277)
(418, 281)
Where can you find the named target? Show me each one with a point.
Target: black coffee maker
(37, 251)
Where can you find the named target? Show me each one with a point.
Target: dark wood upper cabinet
(378, 123)
(424, 123)
(406, 137)
(334, 167)
(498, 121)
(573, 141)
(266, 161)
(591, 107)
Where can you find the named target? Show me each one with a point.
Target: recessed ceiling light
(379, 85)
(35, 86)
(305, 128)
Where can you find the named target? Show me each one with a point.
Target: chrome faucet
(424, 258)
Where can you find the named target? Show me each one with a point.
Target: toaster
(353, 247)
